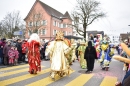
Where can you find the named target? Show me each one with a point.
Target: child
(11, 54)
(16, 56)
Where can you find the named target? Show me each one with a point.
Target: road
(19, 76)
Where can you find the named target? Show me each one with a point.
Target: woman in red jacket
(24, 50)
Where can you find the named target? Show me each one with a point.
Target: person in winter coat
(1, 54)
(90, 55)
(19, 48)
(2, 44)
(45, 45)
(11, 54)
(5, 52)
(24, 50)
(42, 52)
(16, 56)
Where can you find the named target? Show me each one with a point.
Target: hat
(3, 39)
(60, 35)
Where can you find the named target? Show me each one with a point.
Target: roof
(52, 12)
(66, 15)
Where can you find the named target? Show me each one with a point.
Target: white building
(114, 37)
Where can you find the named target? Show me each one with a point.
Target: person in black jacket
(19, 48)
(90, 56)
(44, 56)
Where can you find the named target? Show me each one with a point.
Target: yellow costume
(81, 50)
(58, 50)
(73, 53)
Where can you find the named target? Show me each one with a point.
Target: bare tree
(85, 13)
(11, 23)
(2, 30)
(36, 20)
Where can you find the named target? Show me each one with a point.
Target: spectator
(45, 45)
(19, 48)
(11, 54)
(42, 51)
(1, 54)
(24, 50)
(5, 52)
(16, 56)
(2, 44)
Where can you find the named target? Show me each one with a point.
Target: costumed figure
(97, 47)
(34, 54)
(126, 79)
(81, 50)
(95, 40)
(58, 51)
(69, 55)
(73, 44)
(106, 52)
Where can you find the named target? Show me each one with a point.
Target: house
(46, 21)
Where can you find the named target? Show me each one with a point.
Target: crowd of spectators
(14, 52)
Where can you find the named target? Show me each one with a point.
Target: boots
(106, 68)
(118, 84)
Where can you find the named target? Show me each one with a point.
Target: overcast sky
(117, 20)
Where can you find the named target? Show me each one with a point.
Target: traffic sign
(18, 33)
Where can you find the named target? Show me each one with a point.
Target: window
(54, 32)
(37, 16)
(61, 25)
(39, 31)
(54, 23)
(58, 24)
(69, 26)
(30, 24)
(37, 23)
(64, 25)
(43, 31)
(44, 22)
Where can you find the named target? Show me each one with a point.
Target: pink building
(46, 21)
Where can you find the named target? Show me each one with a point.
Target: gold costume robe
(58, 50)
